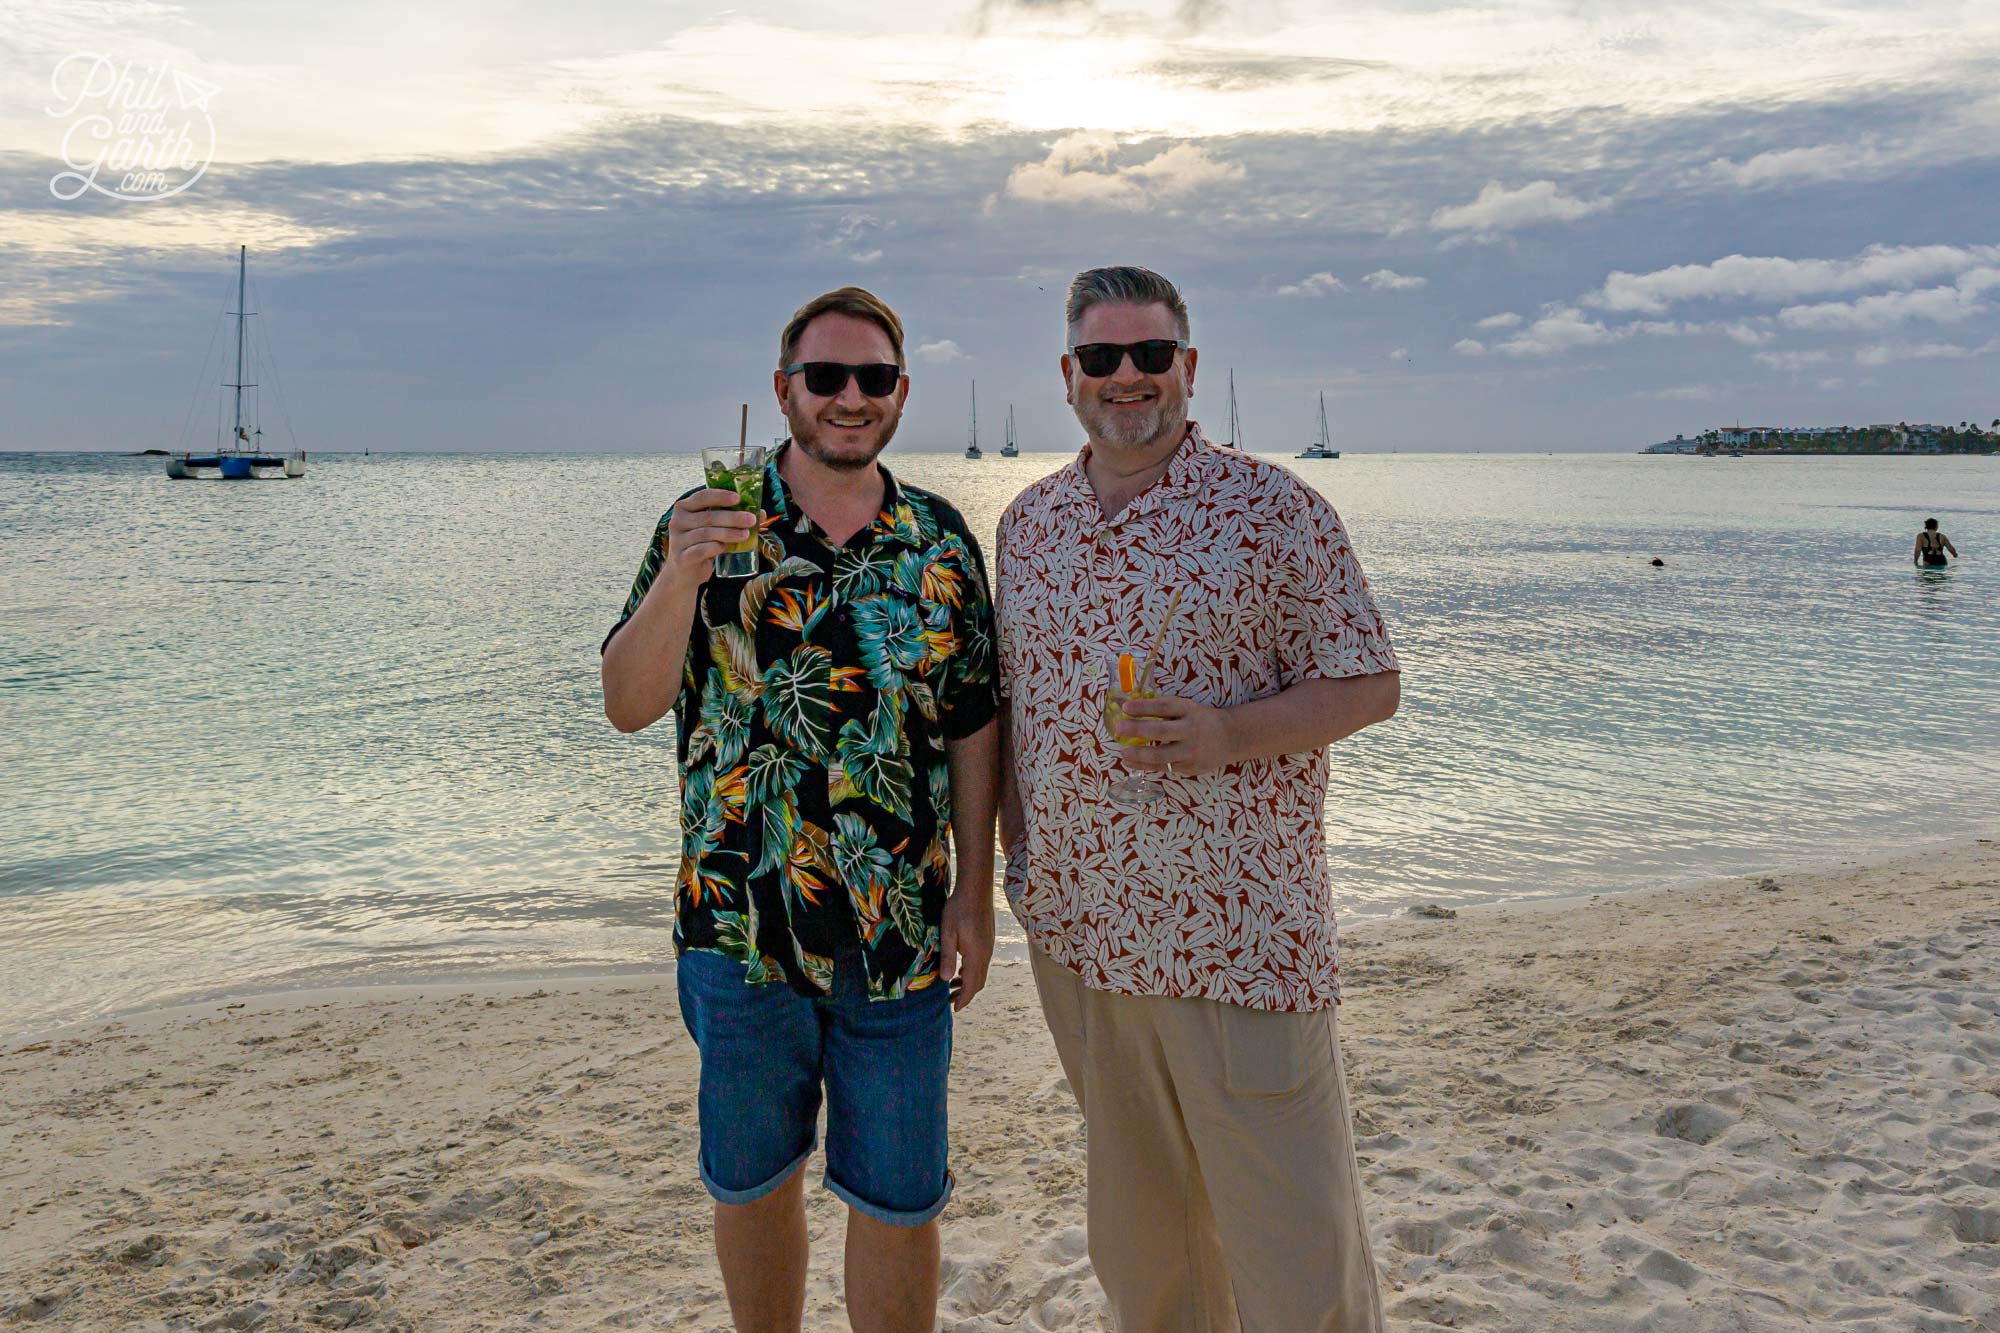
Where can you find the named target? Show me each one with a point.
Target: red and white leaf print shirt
(1219, 889)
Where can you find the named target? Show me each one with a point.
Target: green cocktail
(740, 470)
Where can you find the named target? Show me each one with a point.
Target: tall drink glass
(1121, 683)
(740, 469)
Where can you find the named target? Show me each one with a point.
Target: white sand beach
(1767, 1103)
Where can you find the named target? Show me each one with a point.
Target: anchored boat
(244, 456)
(1008, 450)
(972, 449)
(1323, 446)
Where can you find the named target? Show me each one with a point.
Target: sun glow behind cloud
(1370, 69)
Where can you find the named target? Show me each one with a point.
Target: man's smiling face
(1129, 408)
(849, 429)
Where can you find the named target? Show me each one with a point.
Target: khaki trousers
(1224, 1196)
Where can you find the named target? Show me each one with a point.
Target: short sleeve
(649, 569)
(1327, 625)
(970, 700)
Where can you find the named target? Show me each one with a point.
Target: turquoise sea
(285, 733)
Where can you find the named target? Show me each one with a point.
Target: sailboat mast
(242, 262)
(1235, 428)
(975, 414)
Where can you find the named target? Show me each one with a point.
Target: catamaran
(1008, 450)
(1323, 446)
(972, 449)
(244, 456)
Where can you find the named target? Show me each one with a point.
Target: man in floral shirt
(835, 714)
(1183, 938)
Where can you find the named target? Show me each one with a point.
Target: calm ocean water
(297, 732)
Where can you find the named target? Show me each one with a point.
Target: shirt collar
(886, 527)
(1186, 471)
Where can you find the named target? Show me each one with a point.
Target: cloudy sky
(1528, 224)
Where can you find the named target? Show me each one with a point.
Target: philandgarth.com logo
(135, 131)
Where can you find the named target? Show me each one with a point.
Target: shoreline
(1768, 1101)
(398, 984)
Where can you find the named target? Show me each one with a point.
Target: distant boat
(972, 449)
(1323, 446)
(1007, 450)
(244, 457)
(1235, 440)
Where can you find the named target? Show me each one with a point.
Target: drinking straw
(1159, 636)
(743, 436)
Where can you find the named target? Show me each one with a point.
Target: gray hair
(1124, 284)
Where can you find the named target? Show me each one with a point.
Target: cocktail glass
(1121, 683)
(740, 469)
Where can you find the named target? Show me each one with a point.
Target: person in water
(1931, 546)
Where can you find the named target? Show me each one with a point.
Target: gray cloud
(1230, 71)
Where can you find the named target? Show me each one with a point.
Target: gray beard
(1166, 420)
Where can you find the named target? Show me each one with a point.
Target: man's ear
(1188, 358)
(781, 386)
(1069, 394)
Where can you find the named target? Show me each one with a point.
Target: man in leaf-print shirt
(835, 716)
(1184, 946)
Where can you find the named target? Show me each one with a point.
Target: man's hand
(965, 941)
(1194, 738)
(701, 525)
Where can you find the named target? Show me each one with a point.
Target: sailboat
(972, 449)
(1235, 426)
(244, 456)
(1007, 450)
(1323, 446)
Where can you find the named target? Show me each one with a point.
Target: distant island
(1900, 438)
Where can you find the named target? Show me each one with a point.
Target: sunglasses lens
(879, 380)
(1099, 359)
(825, 378)
(1153, 357)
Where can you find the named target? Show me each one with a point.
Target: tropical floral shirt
(1219, 890)
(815, 708)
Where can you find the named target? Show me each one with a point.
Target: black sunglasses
(828, 378)
(1151, 357)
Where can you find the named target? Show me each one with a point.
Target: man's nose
(850, 394)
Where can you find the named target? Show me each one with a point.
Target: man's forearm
(1311, 715)
(641, 668)
(974, 763)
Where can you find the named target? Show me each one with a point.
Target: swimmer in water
(1931, 546)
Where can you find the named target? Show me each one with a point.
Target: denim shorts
(766, 1054)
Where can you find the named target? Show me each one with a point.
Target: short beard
(806, 435)
(1166, 420)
